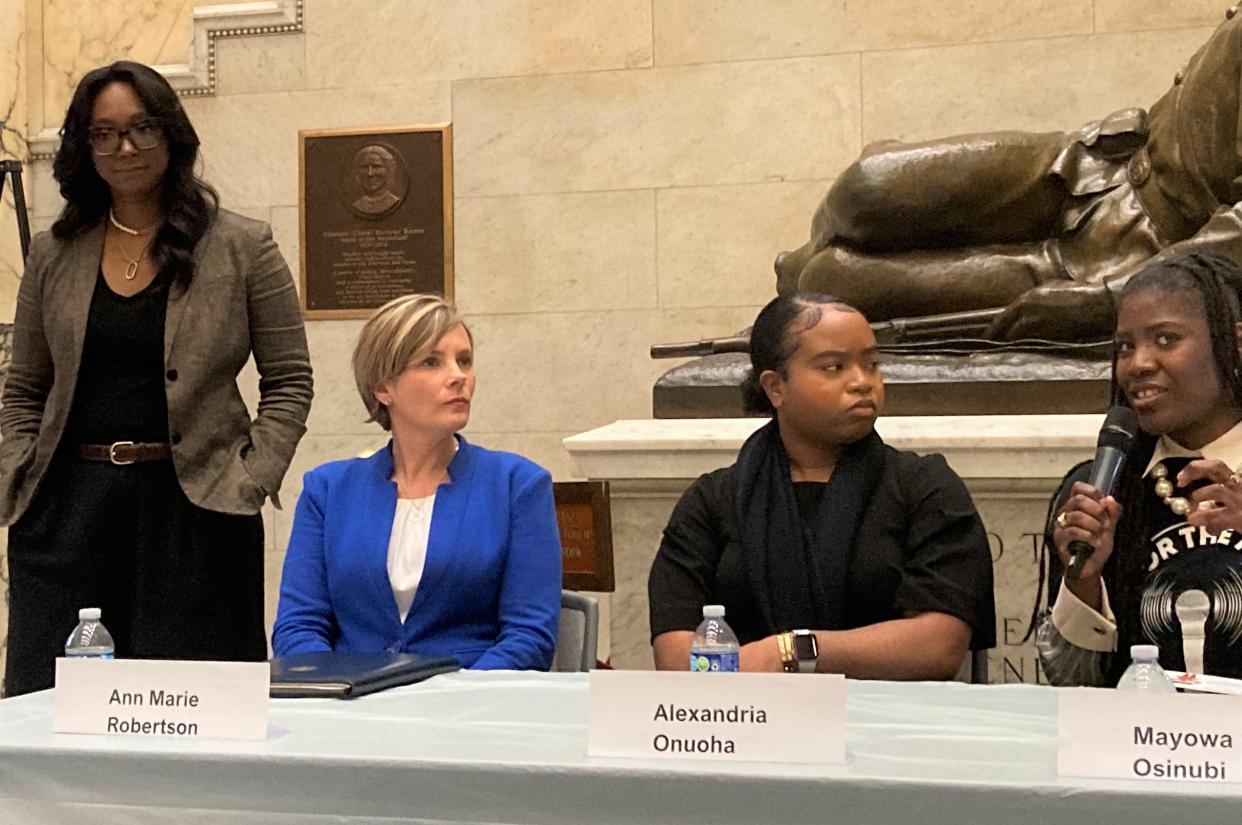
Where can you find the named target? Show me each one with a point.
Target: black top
(808, 494)
(1187, 569)
(920, 547)
(1191, 571)
(120, 390)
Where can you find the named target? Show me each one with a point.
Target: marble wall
(156, 32)
(625, 171)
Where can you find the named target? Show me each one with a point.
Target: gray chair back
(578, 634)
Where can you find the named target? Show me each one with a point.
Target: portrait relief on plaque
(376, 211)
(374, 182)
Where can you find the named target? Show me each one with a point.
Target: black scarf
(798, 573)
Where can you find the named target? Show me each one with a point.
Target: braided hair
(1216, 283)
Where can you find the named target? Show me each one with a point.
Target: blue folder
(327, 674)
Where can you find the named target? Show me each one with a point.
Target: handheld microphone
(1116, 437)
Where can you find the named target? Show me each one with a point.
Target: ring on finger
(1208, 504)
(1061, 518)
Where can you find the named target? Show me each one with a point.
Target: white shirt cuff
(1082, 626)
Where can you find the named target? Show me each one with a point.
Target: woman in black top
(821, 530)
(130, 468)
(1166, 567)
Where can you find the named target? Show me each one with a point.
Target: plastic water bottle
(714, 648)
(90, 639)
(1144, 672)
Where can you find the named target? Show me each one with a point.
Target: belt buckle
(112, 452)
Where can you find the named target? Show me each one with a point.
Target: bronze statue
(1027, 233)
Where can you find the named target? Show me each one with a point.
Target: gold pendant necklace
(131, 264)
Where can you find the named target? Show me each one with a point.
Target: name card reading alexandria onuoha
(1127, 735)
(742, 717)
(127, 697)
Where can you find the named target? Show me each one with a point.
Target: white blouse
(407, 548)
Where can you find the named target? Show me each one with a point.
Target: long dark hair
(188, 203)
(774, 338)
(1217, 283)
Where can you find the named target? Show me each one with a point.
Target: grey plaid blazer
(240, 300)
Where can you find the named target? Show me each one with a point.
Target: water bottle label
(713, 662)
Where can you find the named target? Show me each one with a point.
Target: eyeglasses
(143, 135)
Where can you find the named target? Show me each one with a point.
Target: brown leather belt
(125, 452)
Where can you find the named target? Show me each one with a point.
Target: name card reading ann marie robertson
(1117, 734)
(739, 717)
(192, 700)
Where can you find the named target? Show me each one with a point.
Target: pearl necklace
(1164, 488)
(131, 263)
(126, 229)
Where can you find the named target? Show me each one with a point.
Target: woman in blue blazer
(432, 545)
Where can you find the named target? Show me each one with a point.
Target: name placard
(742, 717)
(194, 700)
(1117, 734)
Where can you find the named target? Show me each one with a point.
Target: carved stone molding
(253, 19)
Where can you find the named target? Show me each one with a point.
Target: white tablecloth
(511, 748)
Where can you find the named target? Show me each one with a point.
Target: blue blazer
(491, 586)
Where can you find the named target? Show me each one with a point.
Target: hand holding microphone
(1083, 534)
(1085, 526)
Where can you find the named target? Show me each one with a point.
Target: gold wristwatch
(799, 651)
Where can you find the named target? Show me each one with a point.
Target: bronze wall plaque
(376, 214)
(584, 516)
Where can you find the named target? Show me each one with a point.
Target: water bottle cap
(1144, 653)
(89, 614)
(713, 611)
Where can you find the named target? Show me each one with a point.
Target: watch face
(805, 647)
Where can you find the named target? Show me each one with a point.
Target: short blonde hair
(402, 331)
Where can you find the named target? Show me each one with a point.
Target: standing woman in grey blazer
(130, 469)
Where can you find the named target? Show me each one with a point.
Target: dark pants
(174, 581)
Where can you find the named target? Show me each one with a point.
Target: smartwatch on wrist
(799, 651)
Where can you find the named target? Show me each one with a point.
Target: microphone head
(1120, 428)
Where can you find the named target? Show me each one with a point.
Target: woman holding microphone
(1165, 566)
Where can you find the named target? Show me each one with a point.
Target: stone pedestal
(931, 384)
(1011, 464)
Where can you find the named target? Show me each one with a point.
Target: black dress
(174, 581)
